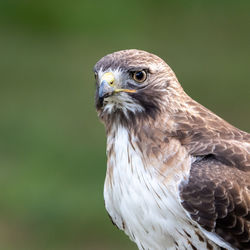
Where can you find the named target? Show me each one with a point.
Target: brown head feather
(171, 112)
(173, 134)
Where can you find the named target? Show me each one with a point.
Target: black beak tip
(105, 90)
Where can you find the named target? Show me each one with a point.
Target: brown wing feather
(202, 133)
(218, 198)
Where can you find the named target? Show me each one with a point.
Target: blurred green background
(52, 146)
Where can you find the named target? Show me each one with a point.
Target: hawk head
(131, 84)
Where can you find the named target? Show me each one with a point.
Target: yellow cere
(109, 77)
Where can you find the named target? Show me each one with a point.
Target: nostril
(105, 89)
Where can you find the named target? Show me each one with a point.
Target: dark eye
(96, 75)
(139, 76)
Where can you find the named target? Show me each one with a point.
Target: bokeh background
(52, 146)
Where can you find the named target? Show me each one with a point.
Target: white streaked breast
(141, 204)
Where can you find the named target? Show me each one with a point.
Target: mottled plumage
(178, 176)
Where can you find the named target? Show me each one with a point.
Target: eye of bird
(96, 75)
(139, 76)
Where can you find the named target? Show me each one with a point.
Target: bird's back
(177, 175)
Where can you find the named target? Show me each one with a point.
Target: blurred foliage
(52, 147)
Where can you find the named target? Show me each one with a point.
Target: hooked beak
(108, 86)
(105, 89)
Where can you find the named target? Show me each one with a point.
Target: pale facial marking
(122, 101)
(117, 75)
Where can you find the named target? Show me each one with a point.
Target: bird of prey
(178, 176)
